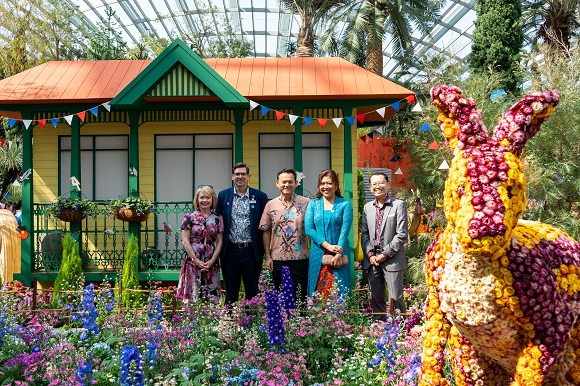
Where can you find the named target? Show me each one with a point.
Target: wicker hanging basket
(129, 215)
(68, 215)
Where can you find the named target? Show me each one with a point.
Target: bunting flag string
(337, 120)
(68, 118)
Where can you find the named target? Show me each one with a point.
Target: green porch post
(75, 171)
(238, 136)
(27, 249)
(298, 164)
(348, 190)
(134, 227)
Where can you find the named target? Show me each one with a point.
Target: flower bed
(328, 343)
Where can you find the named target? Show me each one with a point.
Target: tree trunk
(374, 60)
(305, 46)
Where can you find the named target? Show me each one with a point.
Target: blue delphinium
(84, 373)
(387, 344)
(412, 375)
(275, 322)
(2, 326)
(155, 314)
(288, 299)
(246, 377)
(89, 312)
(108, 298)
(131, 368)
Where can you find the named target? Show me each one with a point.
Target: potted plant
(71, 209)
(130, 209)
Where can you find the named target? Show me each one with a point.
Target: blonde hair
(207, 190)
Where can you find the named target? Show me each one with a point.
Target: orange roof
(255, 78)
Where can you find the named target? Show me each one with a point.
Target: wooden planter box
(129, 215)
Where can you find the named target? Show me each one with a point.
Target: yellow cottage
(158, 129)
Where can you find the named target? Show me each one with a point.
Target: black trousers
(299, 274)
(240, 264)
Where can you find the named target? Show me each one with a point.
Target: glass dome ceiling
(264, 23)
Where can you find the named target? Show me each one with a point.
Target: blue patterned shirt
(240, 228)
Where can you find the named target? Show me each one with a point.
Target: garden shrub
(129, 277)
(70, 274)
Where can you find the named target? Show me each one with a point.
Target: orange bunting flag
(361, 118)
(41, 123)
(81, 115)
(280, 115)
(411, 98)
(434, 146)
(322, 121)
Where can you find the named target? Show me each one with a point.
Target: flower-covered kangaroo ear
(523, 120)
(459, 119)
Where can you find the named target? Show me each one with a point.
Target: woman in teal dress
(327, 222)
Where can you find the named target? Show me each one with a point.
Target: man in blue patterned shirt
(242, 253)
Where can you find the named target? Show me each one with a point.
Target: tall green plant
(129, 276)
(497, 40)
(70, 274)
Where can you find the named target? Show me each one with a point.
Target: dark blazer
(394, 234)
(224, 207)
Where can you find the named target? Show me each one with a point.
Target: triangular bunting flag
(322, 121)
(444, 165)
(399, 171)
(8, 195)
(41, 123)
(361, 118)
(350, 120)
(16, 183)
(81, 115)
(395, 106)
(307, 120)
(11, 122)
(417, 109)
(107, 106)
(95, 110)
(337, 121)
(363, 137)
(68, 119)
(434, 146)
(2, 142)
(9, 144)
(381, 112)
(371, 135)
(387, 144)
(54, 121)
(265, 110)
(292, 118)
(279, 115)
(27, 123)
(394, 159)
(411, 98)
(425, 127)
(17, 143)
(253, 104)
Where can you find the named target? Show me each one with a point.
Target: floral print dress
(202, 237)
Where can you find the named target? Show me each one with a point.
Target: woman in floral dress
(202, 237)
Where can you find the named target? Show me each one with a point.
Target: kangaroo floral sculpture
(503, 292)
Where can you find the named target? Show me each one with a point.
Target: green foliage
(87, 207)
(129, 276)
(107, 43)
(70, 274)
(497, 40)
(135, 203)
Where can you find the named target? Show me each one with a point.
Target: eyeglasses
(376, 184)
(203, 186)
(240, 174)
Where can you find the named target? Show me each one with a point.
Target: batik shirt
(286, 222)
(240, 228)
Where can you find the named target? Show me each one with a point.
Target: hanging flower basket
(129, 215)
(69, 215)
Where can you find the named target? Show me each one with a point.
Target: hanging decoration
(68, 118)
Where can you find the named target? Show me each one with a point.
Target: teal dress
(332, 226)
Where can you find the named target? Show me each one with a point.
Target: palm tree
(311, 12)
(553, 21)
(368, 21)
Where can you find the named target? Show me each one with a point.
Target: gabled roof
(173, 57)
(260, 79)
